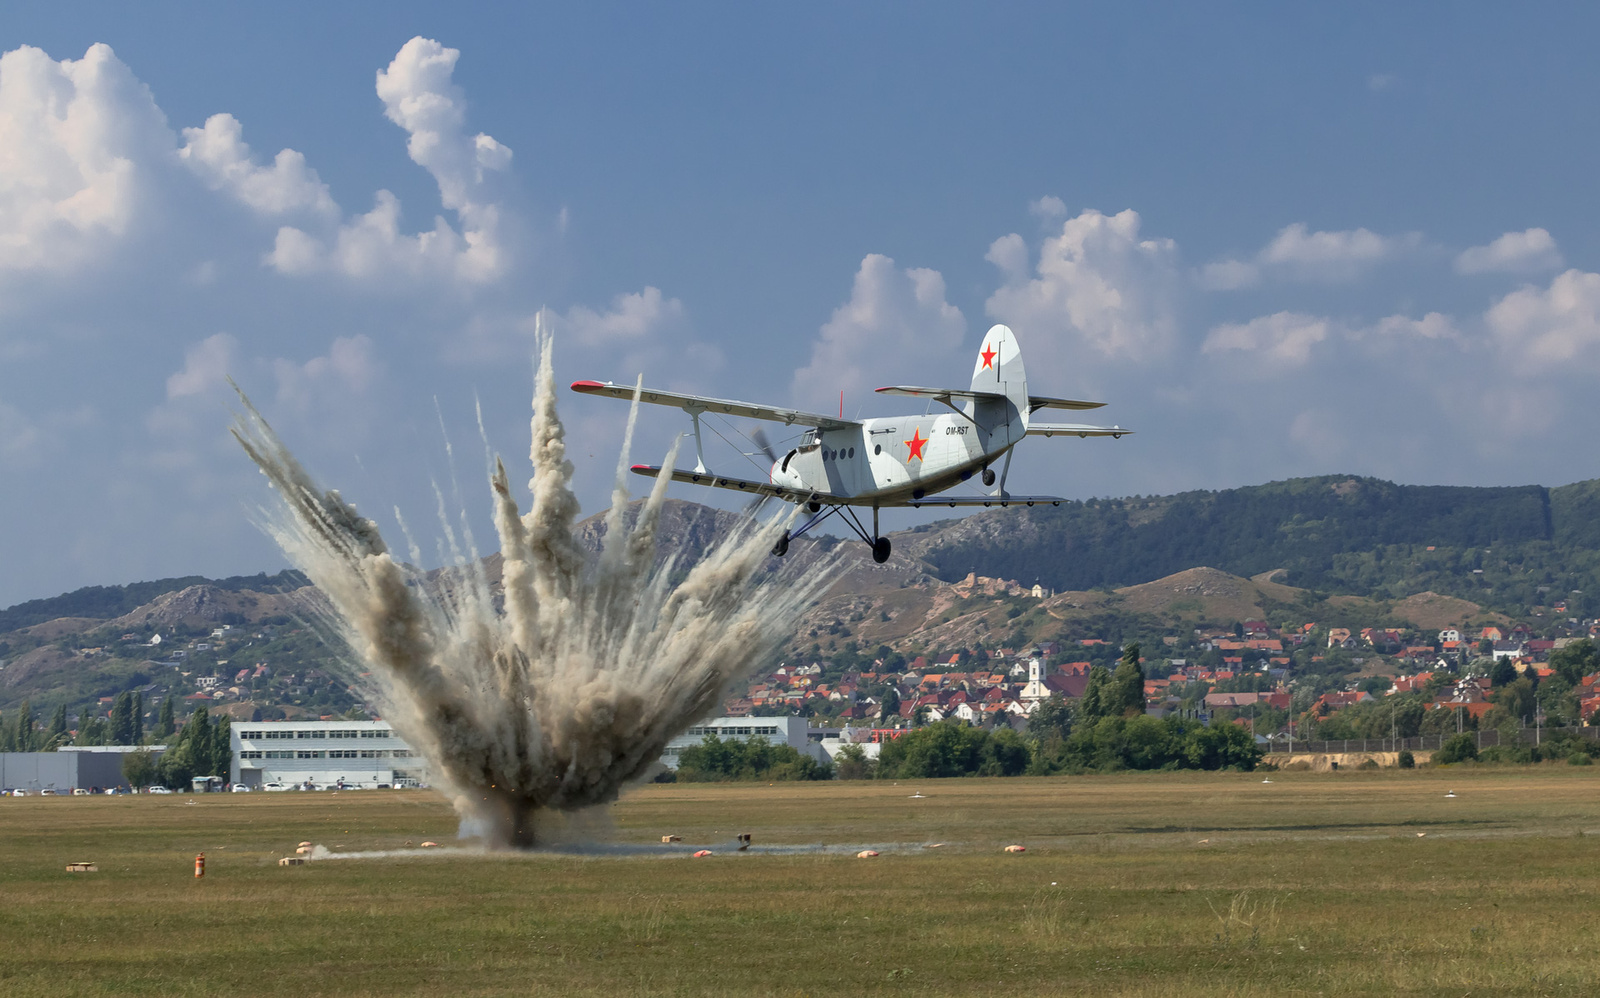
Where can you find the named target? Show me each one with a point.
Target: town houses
(1289, 676)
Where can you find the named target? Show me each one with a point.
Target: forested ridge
(1505, 547)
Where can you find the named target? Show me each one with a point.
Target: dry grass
(1192, 884)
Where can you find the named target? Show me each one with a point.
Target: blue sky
(1278, 240)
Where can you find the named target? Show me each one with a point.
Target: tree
(1094, 704)
(23, 736)
(57, 734)
(891, 704)
(1125, 695)
(139, 769)
(1051, 718)
(138, 719)
(851, 763)
(122, 719)
(165, 724)
(1502, 672)
(1575, 661)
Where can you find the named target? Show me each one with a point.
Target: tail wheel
(880, 550)
(988, 476)
(782, 547)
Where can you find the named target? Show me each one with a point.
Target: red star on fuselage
(916, 443)
(988, 356)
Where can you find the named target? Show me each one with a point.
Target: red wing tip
(886, 388)
(643, 467)
(586, 386)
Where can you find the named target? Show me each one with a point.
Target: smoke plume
(572, 685)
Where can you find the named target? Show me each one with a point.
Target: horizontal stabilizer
(942, 394)
(985, 501)
(1037, 402)
(1074, 430)
(726, 407)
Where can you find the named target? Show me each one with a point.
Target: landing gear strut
(880, 545)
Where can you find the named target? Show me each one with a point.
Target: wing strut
(699, 449)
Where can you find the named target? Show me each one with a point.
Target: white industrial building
(322, 753)
(795, 732)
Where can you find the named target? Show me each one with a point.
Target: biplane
(841, 465)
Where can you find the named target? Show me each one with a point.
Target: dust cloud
(566, 688)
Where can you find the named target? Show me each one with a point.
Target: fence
(1485, 739)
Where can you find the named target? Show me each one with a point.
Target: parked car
(157, 790)
(19, 793)
(80, 791)
(47, 792)
(239, 788)
(274, 786)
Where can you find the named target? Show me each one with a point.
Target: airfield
(1366, 883)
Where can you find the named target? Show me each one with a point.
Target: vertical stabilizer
(999, 369)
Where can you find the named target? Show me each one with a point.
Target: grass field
(1155, 884)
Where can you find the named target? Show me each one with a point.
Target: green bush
(715, 760)
(1460, 748)
(1407, 760)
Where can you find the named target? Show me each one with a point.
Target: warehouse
(322, 753)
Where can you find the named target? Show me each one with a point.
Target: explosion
(569, 687)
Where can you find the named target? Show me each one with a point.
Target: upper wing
(1037, 402)
(1074, 429)
(701, 403)
(984, 501)
(724, 482)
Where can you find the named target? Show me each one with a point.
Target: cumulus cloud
(419, 96)
(1097, 284)
(1297, 253)
(218, 154)
(348, 368)
(1540, 329)
(894, 315)
(206, 366)
(77, 138)
(1433, 326)
(632, 316)
(1515, 252)
(1284, 337)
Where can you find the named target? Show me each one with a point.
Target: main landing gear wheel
(988, 476)
(782, 547)
(880, 550)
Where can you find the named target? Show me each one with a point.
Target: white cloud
(1284, 337)
(632, 316)
(76, 141)
(1379, 82)
(1433, 326)
(348, 368)
(206, 366)
(1296, 253)
(1542, 329)
(1048, 208)
(1331, 256)
(418, 95)
(1096, 284)
(1229, 275)
(1515, 252)
(895, 320)
(219, 155)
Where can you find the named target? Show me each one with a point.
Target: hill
(1508, 548)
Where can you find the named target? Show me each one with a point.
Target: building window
(373, 754)
(402, 754)
(280, 755)
(249, 755)
(308, 755)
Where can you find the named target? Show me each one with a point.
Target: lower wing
(1074, 430)
(724, 482)
(984, 501)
